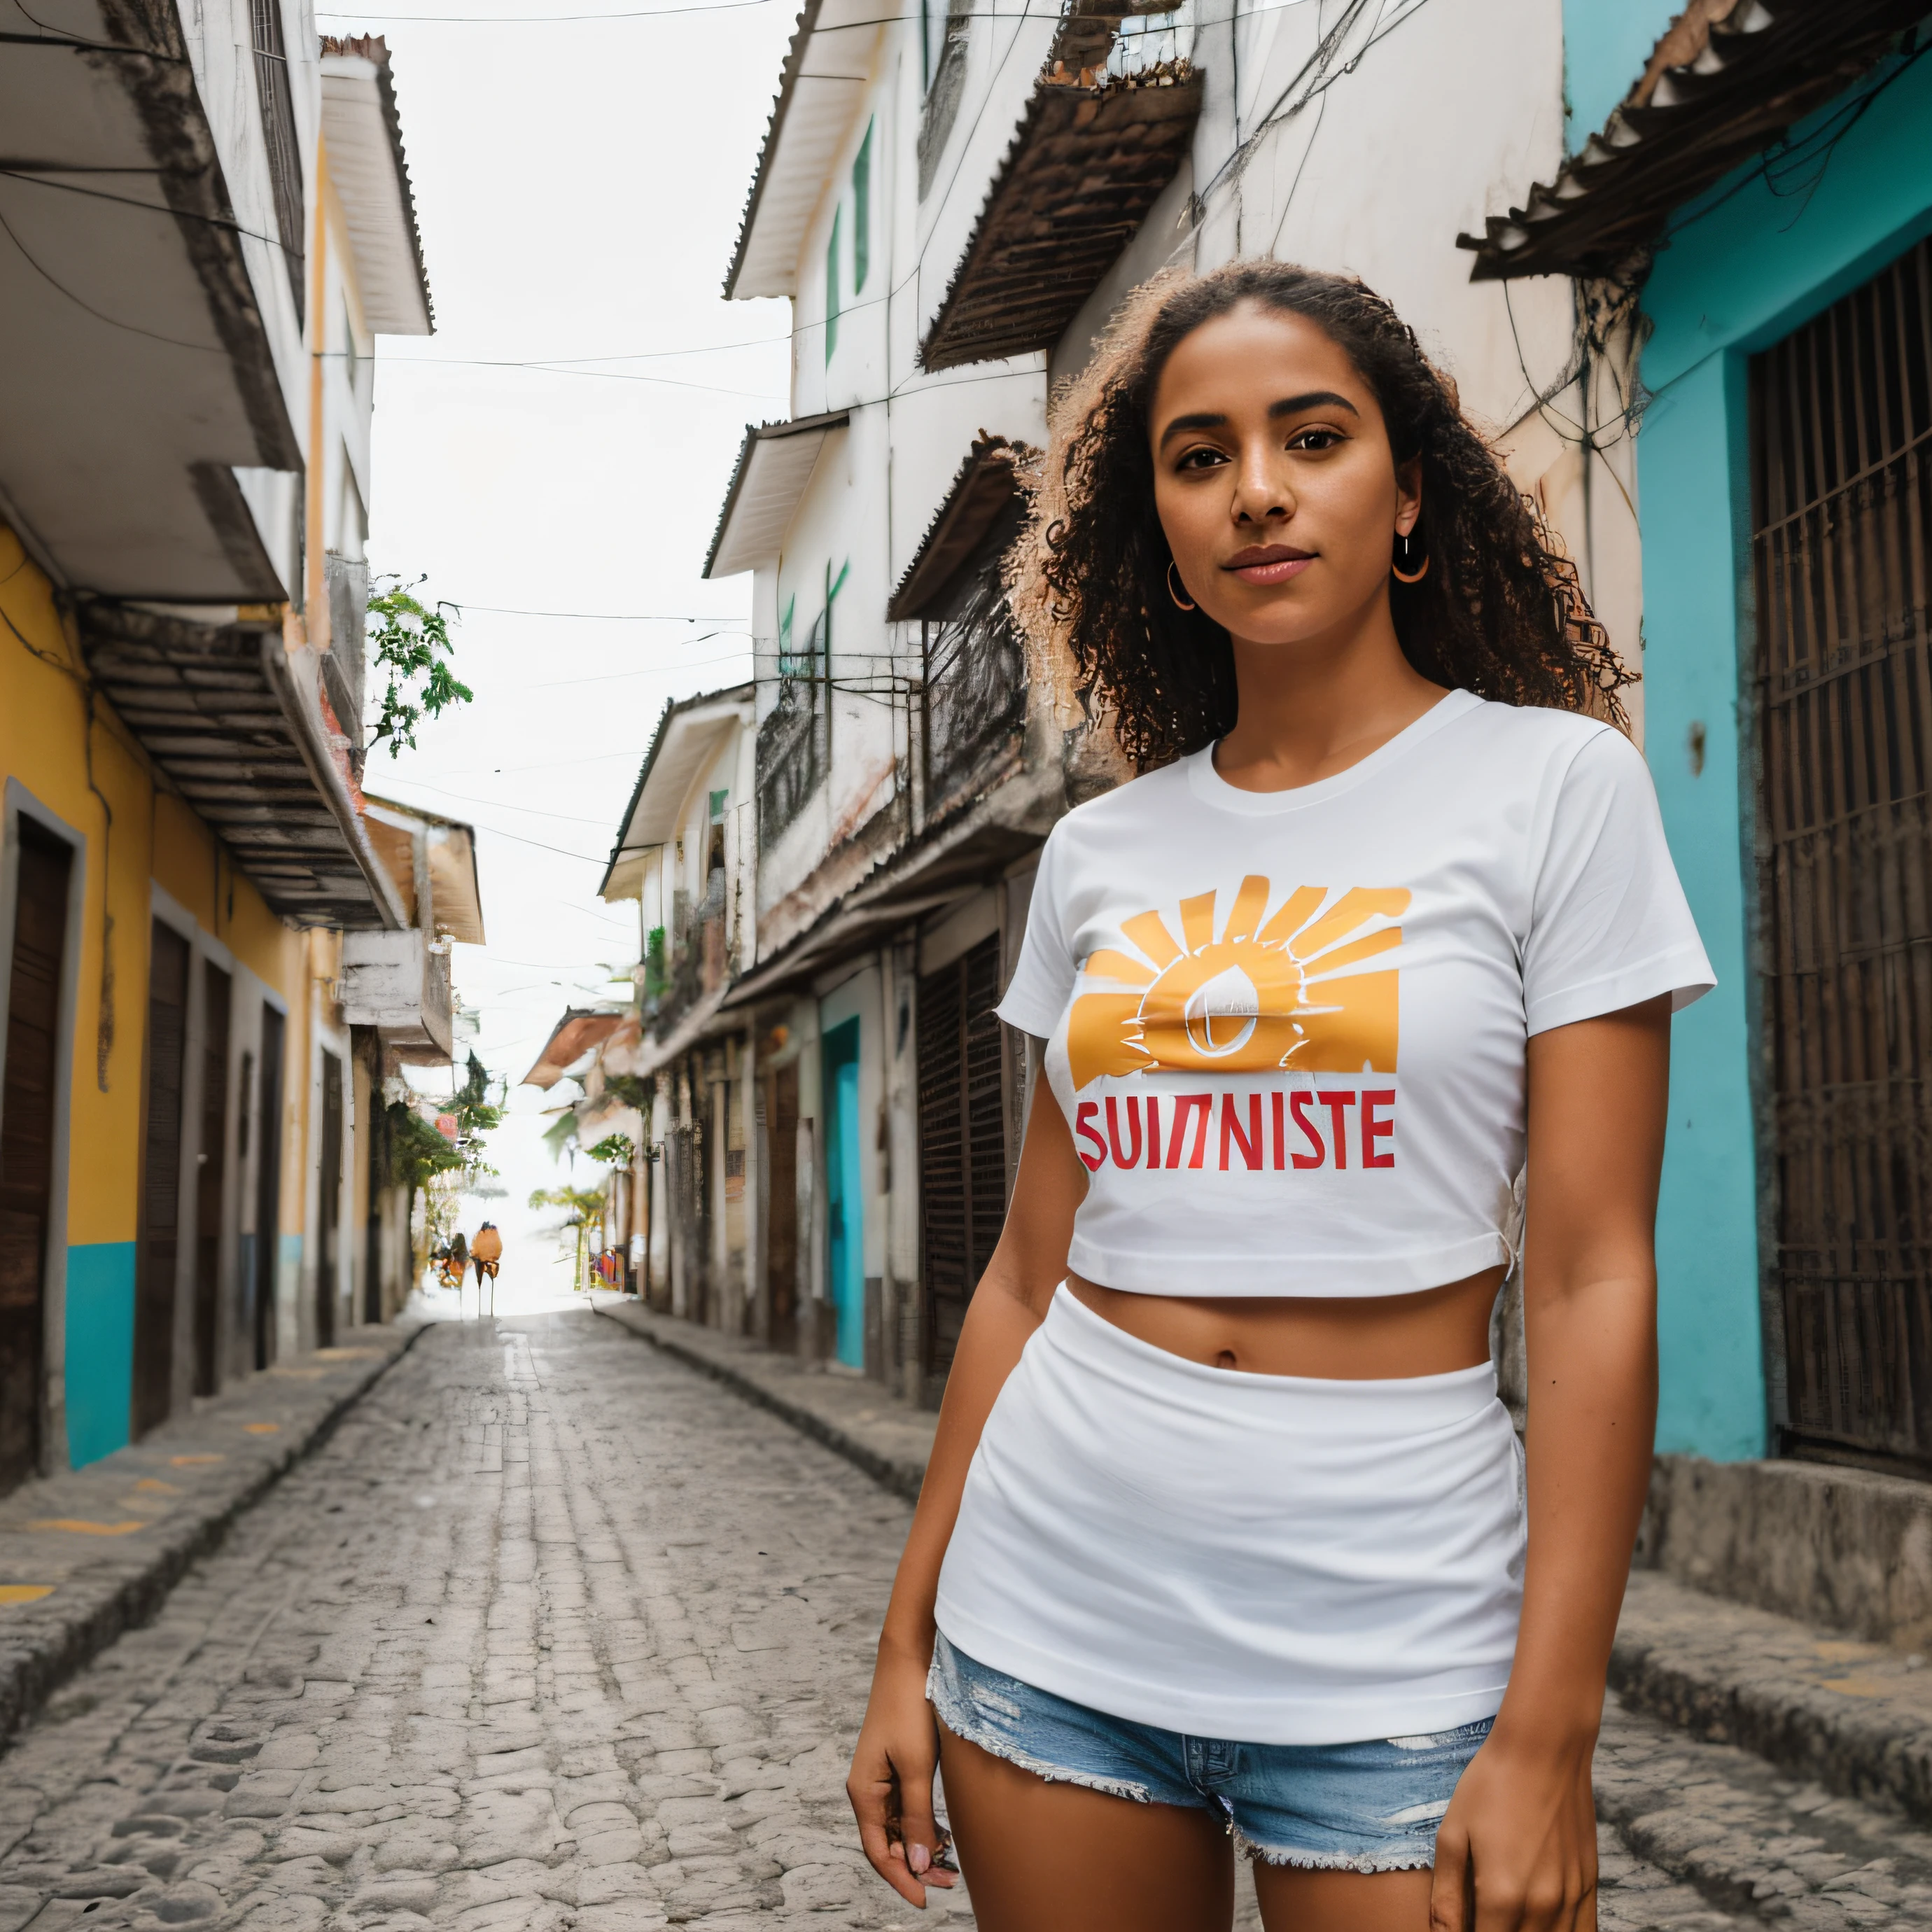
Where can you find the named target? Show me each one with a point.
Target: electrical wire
(227, 225)
(594, 616)
(599, 375)
(112, 322)
(503, 804)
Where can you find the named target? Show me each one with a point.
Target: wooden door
(328, 1260)
(962, 1172)
(268, 1185)
(781, 1158)
(211, 1177)
(159, 1246)
(27, 1110)
(1842, 434)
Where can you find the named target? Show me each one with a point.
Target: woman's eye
(1315, 440)
(1200, 459)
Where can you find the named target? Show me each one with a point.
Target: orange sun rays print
(1268, 992)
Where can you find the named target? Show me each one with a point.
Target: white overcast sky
(578, 185)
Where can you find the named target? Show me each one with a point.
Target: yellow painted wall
(46, 743)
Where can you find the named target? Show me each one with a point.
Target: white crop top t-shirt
(1287, 1028)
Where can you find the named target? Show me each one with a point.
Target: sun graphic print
(1269, 992)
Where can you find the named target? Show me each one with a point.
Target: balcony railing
(791, 754)
(976, 691)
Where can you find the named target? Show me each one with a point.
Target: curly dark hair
(1500, 613)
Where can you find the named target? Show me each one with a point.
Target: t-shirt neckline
(1211, 788)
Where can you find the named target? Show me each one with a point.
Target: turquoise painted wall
(100, 1349)
(1605, 45)
(1747, 266)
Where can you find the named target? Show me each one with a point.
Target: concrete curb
(93, 1610)
(901, 1474)
(1855, 1717)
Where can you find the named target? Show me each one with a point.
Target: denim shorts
(1372, 1807)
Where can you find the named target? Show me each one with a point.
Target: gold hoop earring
(1180, 601)
(1406, 555)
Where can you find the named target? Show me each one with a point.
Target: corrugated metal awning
(1090, 159)
(221, 710)
(775, 463)
(986, 484)
(1727, 78)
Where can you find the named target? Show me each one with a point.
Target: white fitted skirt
(1272, 1559)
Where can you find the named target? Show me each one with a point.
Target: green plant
(615, 1150)
(416, 1150)
(406, 636)
(657, 977)
(633, 1091)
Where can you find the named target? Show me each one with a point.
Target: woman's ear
(1408, 495)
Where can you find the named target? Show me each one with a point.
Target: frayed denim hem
(996, 1746)
(1367, 1863)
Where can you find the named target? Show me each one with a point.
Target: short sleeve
(1609, 926)
(1043, 977)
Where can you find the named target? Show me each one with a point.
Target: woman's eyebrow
(1205, 419)
(1291, 406)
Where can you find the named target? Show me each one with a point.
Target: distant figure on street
(458, 1267)
(487, 1253)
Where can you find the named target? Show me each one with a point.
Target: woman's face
(1274, 478)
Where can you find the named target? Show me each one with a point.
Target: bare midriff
(1365, 1338)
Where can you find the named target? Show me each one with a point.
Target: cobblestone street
(555, 1633)
(552, 1632)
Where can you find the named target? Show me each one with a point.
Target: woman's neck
(1313, 708)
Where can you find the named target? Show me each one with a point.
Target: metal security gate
(962, 1132)
(1842, 423)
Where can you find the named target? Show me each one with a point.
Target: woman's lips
(1265, 568)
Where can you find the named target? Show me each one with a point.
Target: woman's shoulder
(1124, 805)
(1535, 744)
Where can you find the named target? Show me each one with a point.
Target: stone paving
(555, 1633)
(90, 1552)
(552, 1633)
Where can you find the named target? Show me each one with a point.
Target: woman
(1225, 1537)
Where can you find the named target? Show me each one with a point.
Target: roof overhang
(985, 485)
(938, 871)
(1727, 78)
(232, 717)
(1090, 159)
(449, 854)
(580, 1030)
(687, 735)
(826, 70)
(775, 463)
(146, 371)
(371, 175)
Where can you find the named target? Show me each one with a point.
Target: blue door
(842, 1189)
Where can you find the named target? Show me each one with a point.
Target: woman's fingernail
(919, 1858)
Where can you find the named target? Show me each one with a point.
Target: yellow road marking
(183, 1462)
(1859, 1687)
(80, 1526)
(263, 1428)
(153, 1486)
(25, 1593)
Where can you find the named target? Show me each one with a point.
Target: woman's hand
(1517, 1849)
(891, 1781)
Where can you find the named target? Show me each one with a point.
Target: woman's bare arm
(891, 1782)
(1518, 1848)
